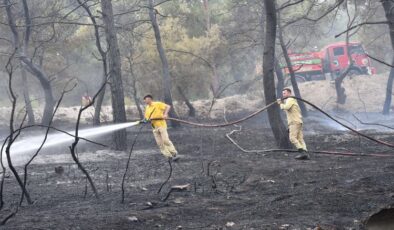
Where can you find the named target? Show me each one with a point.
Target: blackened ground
(229, 189)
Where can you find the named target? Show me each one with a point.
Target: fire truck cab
(332, 60)
(336, 59)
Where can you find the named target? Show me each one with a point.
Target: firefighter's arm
(166, 111)
(288, 104)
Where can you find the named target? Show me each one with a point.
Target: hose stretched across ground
(271, 104)
(344, 125)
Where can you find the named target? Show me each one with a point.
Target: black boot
(302, 156)
(175, 158)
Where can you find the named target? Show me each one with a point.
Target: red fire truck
(331, 60)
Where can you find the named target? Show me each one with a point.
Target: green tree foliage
(205, 43)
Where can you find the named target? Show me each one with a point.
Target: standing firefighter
(294, 121)
(156, 113)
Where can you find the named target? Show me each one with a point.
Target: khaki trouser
(164, 142)
(296, 136)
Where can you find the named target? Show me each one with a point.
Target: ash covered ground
(228, 189)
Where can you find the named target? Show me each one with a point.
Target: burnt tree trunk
(134, 90)
(103, 54)
(137, 102)
(388, 6)
(293, 80)
(215, 83)
(100, 98)
(37, 70)
(275, 120)
(26, 97)
(117, 94)
(164, 62)
(46, 85)
(27, 63)
(192, 110)
(207, 14)
(26, 93)
(389, 91)
(280, 78)
(340, 90)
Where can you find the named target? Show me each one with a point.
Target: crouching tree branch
(128, 162)
(168, 178)
(77, 138)
(66, 89)
(10, 69)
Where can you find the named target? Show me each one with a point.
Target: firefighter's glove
(144, 121)
(279, 101)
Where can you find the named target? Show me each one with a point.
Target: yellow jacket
(293, 111)
(156, 110)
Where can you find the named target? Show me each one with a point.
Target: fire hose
(290, 150)
(145, 121)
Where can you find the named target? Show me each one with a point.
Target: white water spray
(30, 144)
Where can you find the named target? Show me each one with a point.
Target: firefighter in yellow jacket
(294, 121)
(159, 110)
